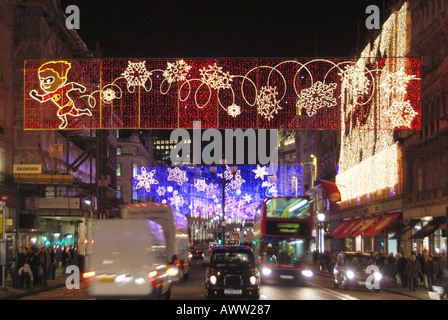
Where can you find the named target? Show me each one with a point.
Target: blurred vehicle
(175, 228)
(283, 239)
(352, 270)
(196, 254)
(211, 245)
(232, 272)
(128, 259)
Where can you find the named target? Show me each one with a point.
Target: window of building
(118, 169)
(118, 151)
(134, 170)
(2, 160)
(118, 192)
(135, 151)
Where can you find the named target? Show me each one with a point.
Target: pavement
(9, 293)
(421, 293)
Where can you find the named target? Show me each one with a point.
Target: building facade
(73, 175)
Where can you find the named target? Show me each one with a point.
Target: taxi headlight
(350, 274)
(253, 280)
(307, 273)
(267, 271)
(213, 280)
(378, 276)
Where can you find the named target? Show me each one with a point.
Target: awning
(366, 226)
(427, 230)
(341, 227)
(352, 227)
(380, 225)
(346, 228)
(332, 191)
(411, 224)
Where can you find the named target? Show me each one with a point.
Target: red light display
(220, 93)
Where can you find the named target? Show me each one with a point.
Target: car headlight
(213, 280)
(307, 273)
(267, 271)
(350, 274)
(253, 280)
(378, 276)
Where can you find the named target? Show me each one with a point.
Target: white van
(128, 258)
(175, 228)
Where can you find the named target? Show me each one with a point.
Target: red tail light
(88, 275)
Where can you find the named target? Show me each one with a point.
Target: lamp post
(321, 219)
(223, 182)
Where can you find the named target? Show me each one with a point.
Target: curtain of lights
(220, 93)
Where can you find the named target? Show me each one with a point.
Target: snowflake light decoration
(161, 191)
(267, 103)
(145, 179)
(177, 175)
(200, 185)
(215, 77)
(401, 114)
(319, 95)
(176, 71)
(393, 87)
(355, 80)
(247, 198)
(108, 95)
(136, 74)
(260, 172)
(234, 110)
(394, 84)
(176, 200)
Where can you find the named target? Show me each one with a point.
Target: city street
(320, 288)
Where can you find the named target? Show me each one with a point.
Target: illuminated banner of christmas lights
(221, 93)
(195, 191)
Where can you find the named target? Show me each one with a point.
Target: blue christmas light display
(195, 191)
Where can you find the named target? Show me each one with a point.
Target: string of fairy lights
(369, 160)
(221, 93)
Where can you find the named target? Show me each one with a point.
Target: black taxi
(356, 269)
(232, 272)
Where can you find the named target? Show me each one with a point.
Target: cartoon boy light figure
(53, 78)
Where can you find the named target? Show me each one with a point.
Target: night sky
(223, 28)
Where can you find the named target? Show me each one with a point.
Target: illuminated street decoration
(225, 93)
(320, 95)
(373, 106)
(260, 172)
(53, 77)
(145, 179)
(177, 175)
(201, 195)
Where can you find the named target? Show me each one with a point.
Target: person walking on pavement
(401, 269)
(45, 261)
(431, 270)
(413, 268)
(35, 265)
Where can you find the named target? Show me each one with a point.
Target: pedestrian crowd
(34, 266)
(409, 271)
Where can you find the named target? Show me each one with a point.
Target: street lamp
(321, 228)
(223, 182)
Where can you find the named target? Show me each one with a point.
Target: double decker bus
(283, 238)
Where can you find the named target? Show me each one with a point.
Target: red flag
(332, 191)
